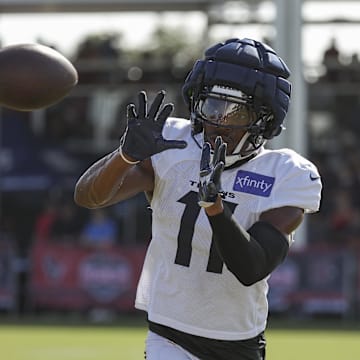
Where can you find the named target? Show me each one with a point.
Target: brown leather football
(34, 76)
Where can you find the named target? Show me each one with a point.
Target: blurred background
(61, 259)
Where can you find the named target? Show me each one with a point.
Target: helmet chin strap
(236, 156)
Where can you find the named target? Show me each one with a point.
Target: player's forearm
(249, 255)
(101, 182)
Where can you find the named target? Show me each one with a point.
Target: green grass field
(117, 342)
(313, 345)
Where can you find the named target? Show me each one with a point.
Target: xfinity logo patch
(253, 183)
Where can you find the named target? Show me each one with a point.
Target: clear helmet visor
(228, 108)
(223, 112)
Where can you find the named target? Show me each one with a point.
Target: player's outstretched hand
(143, 134)
(210, 172)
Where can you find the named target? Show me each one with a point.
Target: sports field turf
(50, 342)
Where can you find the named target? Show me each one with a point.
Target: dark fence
(312, 281)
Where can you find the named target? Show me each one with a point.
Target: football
(34, 76)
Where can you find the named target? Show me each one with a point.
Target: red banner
(310, 281)
(313, 281)
(77, 278)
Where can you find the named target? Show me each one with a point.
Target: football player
(224, 208)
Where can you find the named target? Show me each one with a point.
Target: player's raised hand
(143, 134)
(210, 172)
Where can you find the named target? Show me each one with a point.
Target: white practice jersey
(184, 283)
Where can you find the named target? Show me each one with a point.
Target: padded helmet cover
(247, 65)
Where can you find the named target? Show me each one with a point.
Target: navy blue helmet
(256, 71)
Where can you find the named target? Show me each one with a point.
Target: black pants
(211, 349)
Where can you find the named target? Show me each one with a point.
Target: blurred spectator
(331, 61)
(343, 211)
(344, 220)
(67, 226)
(352, 234)
(44, 222)
(354, 68)
(68, 120)
(97, 59)
(100, 231)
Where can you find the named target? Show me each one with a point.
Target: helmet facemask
(259, 72)
(228, 110)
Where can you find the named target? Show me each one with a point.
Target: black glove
(143, 133)
(210, 174)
